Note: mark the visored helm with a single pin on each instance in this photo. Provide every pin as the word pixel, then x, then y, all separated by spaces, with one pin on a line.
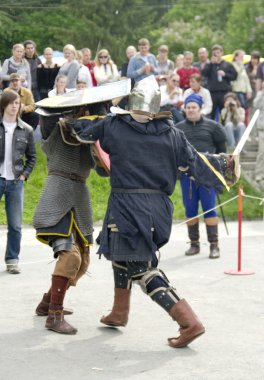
pixel 145 96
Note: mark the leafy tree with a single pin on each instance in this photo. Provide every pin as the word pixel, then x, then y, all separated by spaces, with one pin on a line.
pixel 181 36
pixel 245 26
pixel 190 24
pixel 112 25
pixel 212 14
pixel 6 32
pixel 115 24
pixel 96 24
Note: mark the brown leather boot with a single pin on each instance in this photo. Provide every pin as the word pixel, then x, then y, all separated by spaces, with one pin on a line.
pixel 57 323
pixel 190 326
pixel 42 309
pixel 212 234
pixel 193 233
pixel 193 250
pixel 214 251
pixel 119 314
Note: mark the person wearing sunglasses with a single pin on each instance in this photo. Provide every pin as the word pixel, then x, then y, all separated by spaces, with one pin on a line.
pixel 105 69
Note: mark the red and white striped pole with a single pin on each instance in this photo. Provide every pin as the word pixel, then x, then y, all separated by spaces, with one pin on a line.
pixel 239 271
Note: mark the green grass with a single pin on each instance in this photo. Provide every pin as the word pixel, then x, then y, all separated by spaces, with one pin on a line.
pixel 99 188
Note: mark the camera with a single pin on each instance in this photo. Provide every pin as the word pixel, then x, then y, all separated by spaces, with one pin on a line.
pixel 232 105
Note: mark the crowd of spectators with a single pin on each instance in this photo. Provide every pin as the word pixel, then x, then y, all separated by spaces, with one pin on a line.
pixel 215 77
pixel 228 89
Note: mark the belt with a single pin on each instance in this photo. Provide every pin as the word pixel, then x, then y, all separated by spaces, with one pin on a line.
pixel 137 191
pixel 113 227
pixel 72 176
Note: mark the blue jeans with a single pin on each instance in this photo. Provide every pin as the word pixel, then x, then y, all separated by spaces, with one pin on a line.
pixel 14 201
pixel 234 133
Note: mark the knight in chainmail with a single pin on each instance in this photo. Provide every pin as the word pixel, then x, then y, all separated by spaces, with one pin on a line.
pixel 63 217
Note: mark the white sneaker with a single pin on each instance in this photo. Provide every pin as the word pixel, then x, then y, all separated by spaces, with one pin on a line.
pixel 13 269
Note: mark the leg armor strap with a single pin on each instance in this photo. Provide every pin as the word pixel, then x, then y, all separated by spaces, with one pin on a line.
pixel 154 283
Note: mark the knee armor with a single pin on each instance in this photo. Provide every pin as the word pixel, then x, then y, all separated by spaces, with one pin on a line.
pixel 61 244
pixel 155 284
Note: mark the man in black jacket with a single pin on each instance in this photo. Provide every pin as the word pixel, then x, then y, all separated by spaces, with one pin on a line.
pixel 206 136
pixel 219 74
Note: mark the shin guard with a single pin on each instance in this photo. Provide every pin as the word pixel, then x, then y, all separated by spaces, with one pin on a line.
pixel 121 276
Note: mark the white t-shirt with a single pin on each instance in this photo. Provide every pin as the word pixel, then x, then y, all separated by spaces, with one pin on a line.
pixel 6 167
pixel 84 75
pixel 53 92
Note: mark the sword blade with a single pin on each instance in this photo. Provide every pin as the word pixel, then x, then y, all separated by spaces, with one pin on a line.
pixel 246 134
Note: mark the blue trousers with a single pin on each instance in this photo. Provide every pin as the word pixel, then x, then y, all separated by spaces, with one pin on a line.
pixel 14 201
pixel 192 194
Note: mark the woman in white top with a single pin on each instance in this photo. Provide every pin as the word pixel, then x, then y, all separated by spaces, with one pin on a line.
pixel 59 86
pixel 17 64
pixel 171 93
pixel 172 97
pixel 84 74
pixel 195 87
pixel 105 70
pixel 71 67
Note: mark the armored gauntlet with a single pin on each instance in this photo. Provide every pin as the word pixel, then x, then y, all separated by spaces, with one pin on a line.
pixel 230 167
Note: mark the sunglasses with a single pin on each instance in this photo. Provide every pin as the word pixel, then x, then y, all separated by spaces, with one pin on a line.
pixel 103 56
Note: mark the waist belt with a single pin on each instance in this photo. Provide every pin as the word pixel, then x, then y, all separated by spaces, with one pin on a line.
pixel 72 176
pixel 137 191
pixel 113 227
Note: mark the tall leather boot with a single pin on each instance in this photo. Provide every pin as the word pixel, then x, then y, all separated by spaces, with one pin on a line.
pixel 190 326
pixel 119 314
pixel 57 323
pixel 212 235
pixel 193 233
pixel 42 309
pixel 55 320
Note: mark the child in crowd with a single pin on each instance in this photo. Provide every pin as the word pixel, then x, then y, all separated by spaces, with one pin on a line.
pixel 59 86
pixel 80 85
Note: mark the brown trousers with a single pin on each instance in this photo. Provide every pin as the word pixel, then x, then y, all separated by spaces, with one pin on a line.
pixel 72 264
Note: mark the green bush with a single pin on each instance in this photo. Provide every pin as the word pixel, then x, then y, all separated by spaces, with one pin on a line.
pixel 99 188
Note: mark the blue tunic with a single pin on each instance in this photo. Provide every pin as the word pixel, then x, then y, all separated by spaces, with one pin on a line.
pixel 143 156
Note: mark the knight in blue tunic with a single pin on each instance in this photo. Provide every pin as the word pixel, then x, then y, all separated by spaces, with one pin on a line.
pixel 146 154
